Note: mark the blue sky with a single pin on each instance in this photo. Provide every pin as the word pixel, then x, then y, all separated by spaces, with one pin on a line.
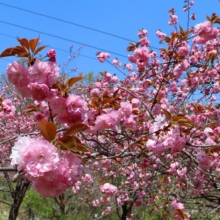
pixel 119 17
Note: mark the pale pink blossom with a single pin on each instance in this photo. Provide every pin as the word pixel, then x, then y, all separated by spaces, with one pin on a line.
pixel 135 103
pixel 17 74
pixel 142 33
pixel 183 50
pixel 173 19
pixel 205 31
pixel 95 92
pixel 125 109
pixel 106 121
pixel 177 206
pixel 8 108
pixel 43 72
pixel 66 175
pixel 106 211
pixel 160 34
pixel 109 189
pixel 116 62
pixel 129 66
pixel 103 56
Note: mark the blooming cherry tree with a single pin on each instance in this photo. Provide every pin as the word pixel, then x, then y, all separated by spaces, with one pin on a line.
pixel 150 140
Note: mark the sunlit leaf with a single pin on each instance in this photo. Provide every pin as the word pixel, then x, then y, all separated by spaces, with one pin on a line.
pixel 33 44
pixel 24 42
pixel 39 49
pixel 47 129
pixel 32 108
pixel 168 115
pixel 73 80
pixel 79 127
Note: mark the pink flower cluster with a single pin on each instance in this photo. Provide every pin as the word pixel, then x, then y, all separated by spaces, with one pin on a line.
pixel 205 31
pixel 7 109
pixel 34 81
pixel 109 189
pixel 68 110
pixel 103 56
pixel 173 19
pixel 50 171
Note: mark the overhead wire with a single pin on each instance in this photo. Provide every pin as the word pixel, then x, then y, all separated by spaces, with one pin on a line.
pixel 64 21
pixel 62 38
pixel 54 47
pixel 71 23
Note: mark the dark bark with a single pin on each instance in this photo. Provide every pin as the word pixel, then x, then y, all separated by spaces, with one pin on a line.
pixel 126 210
pixel 18 195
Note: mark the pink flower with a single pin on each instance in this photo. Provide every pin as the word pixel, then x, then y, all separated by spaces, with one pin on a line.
pixel 87 178
pixel 103 56
pixel 193 16
pixel 142 33
pixel 39 92
pixel 51 53
pixel 160 123
pixel 34 156
pixel 173 19
pixel 40 158
pixel 204 160
pixel 205 31
pixel 55 182
pixel 106 211
pixel 107 78
pixel 116 62
pixel 191 3
pixel 130 122
pixel 125 109
pixel 177 206
pixel 44 72
pixel 58 105
pixel 17 74
pixel 19 147
pixel 160 34
pixel 95 92
pixel 74 102
pixel 129 66
pixel 8 108
pixel 135 103
pixel 144 42
pixel 106 121
pixel 183 50
pixel 109 189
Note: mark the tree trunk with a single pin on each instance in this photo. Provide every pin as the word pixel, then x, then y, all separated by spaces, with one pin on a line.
pixel 18 195
pixel 126 210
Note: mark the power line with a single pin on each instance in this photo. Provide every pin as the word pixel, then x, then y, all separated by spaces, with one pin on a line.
pixel 53 47
pixel 71 23
pixel 64 21
pixel 62 38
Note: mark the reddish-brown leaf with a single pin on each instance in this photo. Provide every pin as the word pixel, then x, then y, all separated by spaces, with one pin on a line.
pixel 107 100
pixel 33 44
pixel 39 49
pixel 47 129
pixel 79 127
pixel 12 51
pixel 73 80
pixel 168 115
pixel 32 108
pixel 24 42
